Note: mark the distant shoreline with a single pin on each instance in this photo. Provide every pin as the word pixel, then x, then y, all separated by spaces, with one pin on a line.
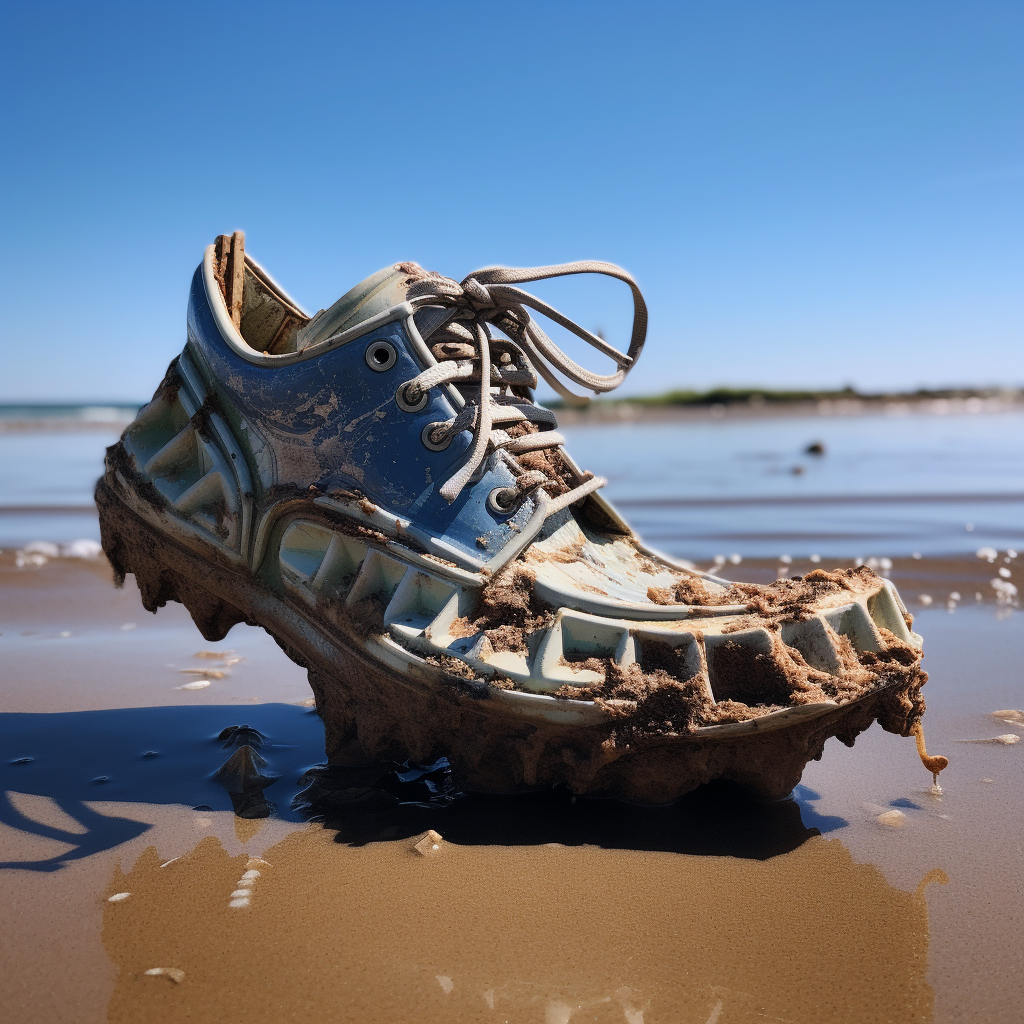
pixel 48 417
pixel 718 403
pixel 721 403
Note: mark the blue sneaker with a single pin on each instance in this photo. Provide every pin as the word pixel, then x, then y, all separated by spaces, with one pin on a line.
pixel 376 486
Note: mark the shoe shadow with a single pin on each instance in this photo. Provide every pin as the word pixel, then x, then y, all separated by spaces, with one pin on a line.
pixel 718 819
pixel 226 757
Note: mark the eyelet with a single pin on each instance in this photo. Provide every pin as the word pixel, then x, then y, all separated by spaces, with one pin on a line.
pixel 381 356
pixel 433 445
pixel 404 403
pixel 495 505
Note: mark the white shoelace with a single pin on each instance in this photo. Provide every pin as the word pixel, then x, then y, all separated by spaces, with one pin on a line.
pixel 464 348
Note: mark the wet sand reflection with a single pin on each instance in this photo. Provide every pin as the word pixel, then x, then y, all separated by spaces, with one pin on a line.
pixel 544 933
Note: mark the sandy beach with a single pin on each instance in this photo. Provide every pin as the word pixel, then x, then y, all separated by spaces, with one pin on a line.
pixel 861 898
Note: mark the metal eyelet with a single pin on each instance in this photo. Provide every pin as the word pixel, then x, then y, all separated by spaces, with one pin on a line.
pixel 433 445
pixel 381 356
pixel 494 501
pixel 404 403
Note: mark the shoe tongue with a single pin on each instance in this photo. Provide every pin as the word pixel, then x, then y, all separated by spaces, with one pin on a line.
pixel 377 293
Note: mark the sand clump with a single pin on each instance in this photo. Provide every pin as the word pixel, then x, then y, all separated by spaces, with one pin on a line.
pixel 509 611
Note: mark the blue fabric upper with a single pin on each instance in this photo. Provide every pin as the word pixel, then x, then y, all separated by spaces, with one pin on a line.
pixel 332 421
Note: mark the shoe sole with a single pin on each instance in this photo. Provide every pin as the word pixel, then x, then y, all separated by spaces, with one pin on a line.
pixel 376 706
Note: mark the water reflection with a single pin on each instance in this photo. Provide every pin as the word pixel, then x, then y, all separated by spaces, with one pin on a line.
pixel 211 757
pixel 541 933
pixel 723 907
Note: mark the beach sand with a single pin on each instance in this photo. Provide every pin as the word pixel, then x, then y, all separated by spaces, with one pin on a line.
pixel 824 907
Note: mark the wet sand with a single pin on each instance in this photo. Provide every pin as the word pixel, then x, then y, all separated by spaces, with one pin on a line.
pixel 533 908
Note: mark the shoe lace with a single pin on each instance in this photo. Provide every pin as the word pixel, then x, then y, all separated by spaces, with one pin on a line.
pixel 467 353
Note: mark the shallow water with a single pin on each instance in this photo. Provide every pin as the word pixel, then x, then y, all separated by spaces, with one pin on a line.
pixel 536 908
pixel 886 485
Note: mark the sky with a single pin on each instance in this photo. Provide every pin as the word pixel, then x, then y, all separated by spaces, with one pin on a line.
pixel 810 194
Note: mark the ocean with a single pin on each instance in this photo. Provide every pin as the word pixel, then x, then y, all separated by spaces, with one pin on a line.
pixel 884 485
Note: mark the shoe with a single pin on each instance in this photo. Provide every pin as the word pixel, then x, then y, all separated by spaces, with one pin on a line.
pixel 376 486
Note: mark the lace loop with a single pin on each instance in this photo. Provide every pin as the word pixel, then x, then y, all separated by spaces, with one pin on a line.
pixel 491 297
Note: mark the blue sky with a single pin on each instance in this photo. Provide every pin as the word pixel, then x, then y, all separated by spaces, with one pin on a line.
pixel 809 193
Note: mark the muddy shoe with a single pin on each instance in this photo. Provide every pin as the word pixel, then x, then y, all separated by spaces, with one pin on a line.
pixel 376 487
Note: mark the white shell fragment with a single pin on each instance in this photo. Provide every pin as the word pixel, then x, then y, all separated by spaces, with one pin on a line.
pixel 118 897
pixel 1007 738
pixel 250 876
pixel 239 893
pixel 198 684
pixel 176 974
pixel 239 903
pixel 429 844
pixel 1009 715
pixel 893 818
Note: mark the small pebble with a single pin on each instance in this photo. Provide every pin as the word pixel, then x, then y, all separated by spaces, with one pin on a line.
pixel 988 780
pixel 199 684
pixel 118 897
pixel 128 627
pixel 213 673
pixel 212 654
pixel 174 973
pixel 925 599
pixel 815 559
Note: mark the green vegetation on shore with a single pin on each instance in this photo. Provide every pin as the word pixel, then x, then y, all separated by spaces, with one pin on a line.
pixel 765 396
